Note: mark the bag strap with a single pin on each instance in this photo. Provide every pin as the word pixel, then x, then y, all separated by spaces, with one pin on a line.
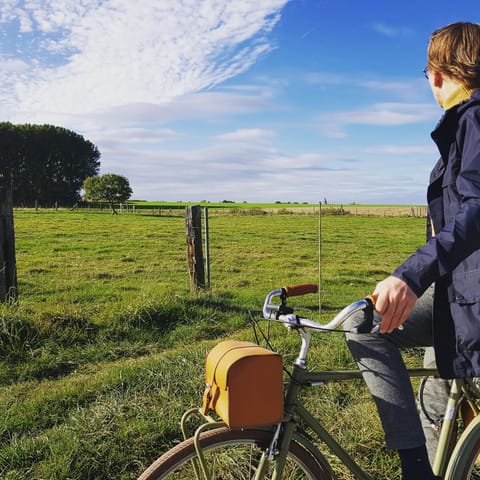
pixel 210 396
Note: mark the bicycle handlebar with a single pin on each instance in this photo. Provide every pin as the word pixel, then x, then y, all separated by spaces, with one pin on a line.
pixel 279 312
pixel 282 314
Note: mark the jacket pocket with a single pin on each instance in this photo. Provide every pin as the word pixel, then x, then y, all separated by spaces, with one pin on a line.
pixel 467 326
pixel 465 287
pixel 451 200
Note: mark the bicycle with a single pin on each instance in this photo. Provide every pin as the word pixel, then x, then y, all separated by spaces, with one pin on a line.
pixel 285 450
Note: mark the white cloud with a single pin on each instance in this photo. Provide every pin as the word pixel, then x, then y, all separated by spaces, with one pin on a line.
pixel 132 136
pixel 119 52
pixel 325 78
pixel 404 89
pixel 400 89
pixel 331 129
pixel 335 124
pixel 259 171
pixel 389 114
pixel 246 135
pixel 402 149
pixel 137 79
pixel 12 66
pixel 391 31
pixel 207 106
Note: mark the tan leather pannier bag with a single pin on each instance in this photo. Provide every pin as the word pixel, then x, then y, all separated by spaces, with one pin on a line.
pixel 244 384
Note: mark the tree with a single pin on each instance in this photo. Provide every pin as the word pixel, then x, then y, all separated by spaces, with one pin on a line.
pixel 45 163
pixel 110 188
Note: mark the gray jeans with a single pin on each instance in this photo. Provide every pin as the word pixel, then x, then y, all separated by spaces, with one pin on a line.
pixel 432 399
pixel 379 358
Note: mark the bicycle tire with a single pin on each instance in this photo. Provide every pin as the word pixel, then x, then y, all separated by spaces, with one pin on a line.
pixel 233 454
pixel 465 460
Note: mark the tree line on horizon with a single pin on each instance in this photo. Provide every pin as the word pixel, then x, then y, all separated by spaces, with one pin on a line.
pixel 45 164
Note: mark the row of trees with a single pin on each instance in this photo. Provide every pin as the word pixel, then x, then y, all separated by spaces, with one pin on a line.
pixel 45 163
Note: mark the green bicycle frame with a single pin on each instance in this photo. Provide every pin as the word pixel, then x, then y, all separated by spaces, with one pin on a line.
pixel 285 432
pixel 301 378
pixel 295 413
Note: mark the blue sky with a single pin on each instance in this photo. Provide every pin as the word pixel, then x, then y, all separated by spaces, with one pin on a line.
pixel 242 100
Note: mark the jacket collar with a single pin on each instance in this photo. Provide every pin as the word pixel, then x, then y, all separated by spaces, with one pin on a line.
pixel 459 95
pixel 447 126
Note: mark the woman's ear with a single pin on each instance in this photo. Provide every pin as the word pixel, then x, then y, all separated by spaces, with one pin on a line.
pixel 437 79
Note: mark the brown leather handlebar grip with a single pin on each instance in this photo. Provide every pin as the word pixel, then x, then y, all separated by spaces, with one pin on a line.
pixel 300 289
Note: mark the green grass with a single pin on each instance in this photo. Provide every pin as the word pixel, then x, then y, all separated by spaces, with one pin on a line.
pixel 221 205
pixel 105 348
pixel 248 205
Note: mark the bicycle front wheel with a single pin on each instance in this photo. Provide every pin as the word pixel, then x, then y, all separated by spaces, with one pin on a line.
pixel 234 455
pixel 465 460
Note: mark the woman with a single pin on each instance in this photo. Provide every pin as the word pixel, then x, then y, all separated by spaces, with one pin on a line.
pixel 435 294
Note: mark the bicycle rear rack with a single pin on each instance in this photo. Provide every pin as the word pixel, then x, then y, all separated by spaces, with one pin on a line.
pixel 199 464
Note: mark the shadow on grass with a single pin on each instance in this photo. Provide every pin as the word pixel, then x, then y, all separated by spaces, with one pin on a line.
pixel 55 344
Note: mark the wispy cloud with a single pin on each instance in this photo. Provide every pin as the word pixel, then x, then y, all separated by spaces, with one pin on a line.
pixel 247 172
pixel 390 30
pixel 385 114
pixel 402 149
pixel 246 135
pixel 119 52
pixel 13 65
pixel 146 81
pixel 335 124
pixel 326 78
pixel 404 89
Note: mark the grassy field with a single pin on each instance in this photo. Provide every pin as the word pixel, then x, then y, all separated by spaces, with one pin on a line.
pixel 278 207
pixel 105 348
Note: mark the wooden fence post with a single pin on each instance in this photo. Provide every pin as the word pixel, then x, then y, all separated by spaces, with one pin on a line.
pixel 193 230
pixel 8 266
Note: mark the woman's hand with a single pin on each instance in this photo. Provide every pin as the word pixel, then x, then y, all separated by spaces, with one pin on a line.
pixel 395 300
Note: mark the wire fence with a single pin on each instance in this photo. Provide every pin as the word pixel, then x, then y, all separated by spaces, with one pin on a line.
pixel 179 209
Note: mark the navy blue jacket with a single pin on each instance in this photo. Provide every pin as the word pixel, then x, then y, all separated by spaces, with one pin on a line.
pixel 451 257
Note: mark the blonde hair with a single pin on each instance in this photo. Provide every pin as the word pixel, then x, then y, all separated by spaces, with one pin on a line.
pixel 455 51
